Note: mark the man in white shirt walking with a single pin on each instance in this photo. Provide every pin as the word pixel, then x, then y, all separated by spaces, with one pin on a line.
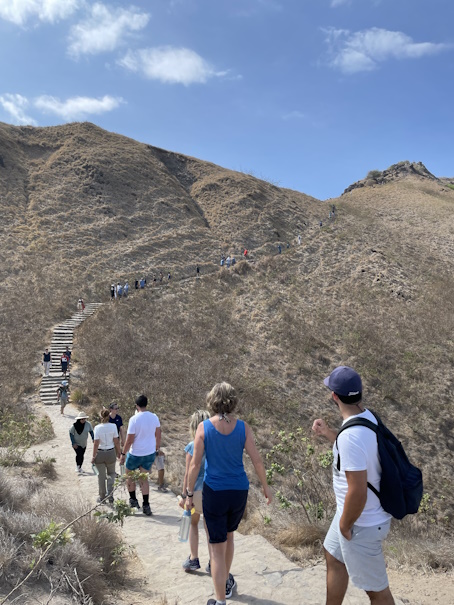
pixel 353 544
pixel 143 440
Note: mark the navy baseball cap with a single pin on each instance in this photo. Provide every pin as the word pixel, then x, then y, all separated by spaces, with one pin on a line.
pixel 344 381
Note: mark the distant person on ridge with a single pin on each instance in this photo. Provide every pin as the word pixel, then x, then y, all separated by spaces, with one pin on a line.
pixel 353 544
pixel 233 260
pixel 299 239
pixel 142 282
pixel 46 362
pixel 245 253
pixel 119 290
pixel 136 284
pixel 279 248
pixel 112 292
pixel 228 261
pixel 126 289
pixel 142 443
pixel 197 271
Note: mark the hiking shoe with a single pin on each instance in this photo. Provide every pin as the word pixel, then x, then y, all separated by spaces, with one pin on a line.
pixel 191 564
pixel 134 503
pixel 162 488
pixel 208 568
pixel 229 586
pixel 111 499
pixel 147 510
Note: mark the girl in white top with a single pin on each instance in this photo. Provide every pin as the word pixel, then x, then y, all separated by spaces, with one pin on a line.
pixel 106 449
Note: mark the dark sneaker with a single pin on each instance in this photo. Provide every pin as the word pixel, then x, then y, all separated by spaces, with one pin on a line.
pixel 191 564
pixel 147 510
pixel 229 586
pixel 211 602
pixel 208 568
pixel 134 503
pixel 111 499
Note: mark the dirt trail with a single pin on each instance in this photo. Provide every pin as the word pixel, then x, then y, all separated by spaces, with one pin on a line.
pixel 263 574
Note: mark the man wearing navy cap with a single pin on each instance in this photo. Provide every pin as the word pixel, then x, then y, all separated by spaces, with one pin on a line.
pixel 353 544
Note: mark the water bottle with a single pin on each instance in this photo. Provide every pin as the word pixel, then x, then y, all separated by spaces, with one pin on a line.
pixel 122 469
pixel 95 469
pixel 183 534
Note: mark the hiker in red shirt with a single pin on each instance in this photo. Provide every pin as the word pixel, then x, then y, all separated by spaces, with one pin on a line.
pixel 64 360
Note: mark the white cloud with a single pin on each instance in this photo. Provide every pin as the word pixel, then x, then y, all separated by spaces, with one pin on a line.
pixel 170 65
pixel 364 50
pixel 335 3
pixel 293 115
pixel 105 29
pixel 16 106
pixel 19 11
pixel 77 108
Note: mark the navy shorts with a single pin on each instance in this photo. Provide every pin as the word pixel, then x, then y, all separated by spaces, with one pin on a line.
pixel 223 511
pixel 133 463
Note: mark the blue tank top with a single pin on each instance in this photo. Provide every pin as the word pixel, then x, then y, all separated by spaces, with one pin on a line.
pixel 224 458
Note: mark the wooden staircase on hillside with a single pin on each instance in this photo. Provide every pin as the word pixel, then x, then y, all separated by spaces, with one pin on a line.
pixel 62 338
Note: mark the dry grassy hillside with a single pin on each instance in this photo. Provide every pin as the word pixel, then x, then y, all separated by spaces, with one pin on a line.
pixel 372 288
pixel 82 207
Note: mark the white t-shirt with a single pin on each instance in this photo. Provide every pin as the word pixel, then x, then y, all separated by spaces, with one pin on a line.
pixel 359 452
pixel 106 433
pixel 143 425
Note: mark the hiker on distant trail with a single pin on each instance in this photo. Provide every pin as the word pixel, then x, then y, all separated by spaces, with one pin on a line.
pixel 333 209
pixel 68 355
pixel 78 434
pixel 112 291
pixel 115 418
pixel 63 395
pixel 106 450
pixel 225 487
pixel 321 223
pixel 136 284
pixel 142 282
pixel 64 361
pixel 169 276
pixel 197 271
pixel 279 249
pixel 80 304
pixel 46 362
pixel 139 451
pixel 233 260
pixel 126 289
pixel 228 261
pixel 222 261
pixel 353 544
pixel 245 253
pixel 119 290
pixel 299 239
pixel 192 563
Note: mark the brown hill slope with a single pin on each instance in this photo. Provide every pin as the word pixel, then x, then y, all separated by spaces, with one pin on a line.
pixel 81 207
pixel 373 288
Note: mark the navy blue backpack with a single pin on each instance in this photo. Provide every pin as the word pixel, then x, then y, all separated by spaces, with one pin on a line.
pixel 401 482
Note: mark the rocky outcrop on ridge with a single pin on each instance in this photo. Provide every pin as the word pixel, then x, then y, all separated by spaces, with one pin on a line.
pixel 395 172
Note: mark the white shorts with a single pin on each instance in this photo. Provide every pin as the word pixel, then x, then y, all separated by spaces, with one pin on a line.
pixel 362 555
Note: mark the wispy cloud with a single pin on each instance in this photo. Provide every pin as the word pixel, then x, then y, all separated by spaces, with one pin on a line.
pixel 352 52
pixel 76 108
pixel 335 3
pixel 16 106
pixel 20 11
pixel 170 65
pixel 105 29
pixel 293 115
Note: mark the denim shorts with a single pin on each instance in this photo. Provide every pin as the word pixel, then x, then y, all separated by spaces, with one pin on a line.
pixel 222 511
pixel 134 462
pixel 362 555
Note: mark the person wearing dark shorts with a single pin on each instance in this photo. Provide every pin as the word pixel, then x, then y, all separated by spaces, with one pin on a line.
pixel 64 364
pixel 222 439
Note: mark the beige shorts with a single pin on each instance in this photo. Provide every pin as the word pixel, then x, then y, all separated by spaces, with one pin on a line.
pixel 197 501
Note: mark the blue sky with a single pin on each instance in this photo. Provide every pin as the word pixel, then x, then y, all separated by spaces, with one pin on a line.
pixel 309 94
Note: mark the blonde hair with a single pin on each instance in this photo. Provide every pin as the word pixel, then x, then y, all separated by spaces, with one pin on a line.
pixel 196 419
pixel 222 398
pixel 104 415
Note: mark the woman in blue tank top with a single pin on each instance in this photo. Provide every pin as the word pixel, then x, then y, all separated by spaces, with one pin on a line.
pixel 222 439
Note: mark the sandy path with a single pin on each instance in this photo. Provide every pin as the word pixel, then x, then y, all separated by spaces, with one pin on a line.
pixel 264 575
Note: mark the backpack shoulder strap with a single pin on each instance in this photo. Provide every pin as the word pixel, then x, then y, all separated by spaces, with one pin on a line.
pixel 359 422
